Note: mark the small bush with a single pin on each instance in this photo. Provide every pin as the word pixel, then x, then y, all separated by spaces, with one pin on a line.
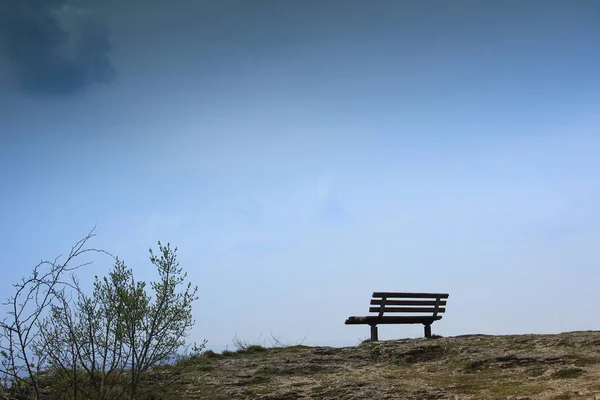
pixel 569 373
pixel 537 371
pixel 243 345
pixel 364 340
pixel 253 349
pixel 210 354
pixel 276 342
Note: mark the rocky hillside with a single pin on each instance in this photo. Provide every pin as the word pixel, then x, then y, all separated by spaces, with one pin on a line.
pixel 564 366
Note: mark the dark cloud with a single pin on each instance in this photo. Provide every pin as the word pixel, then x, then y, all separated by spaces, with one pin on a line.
pixel 54 47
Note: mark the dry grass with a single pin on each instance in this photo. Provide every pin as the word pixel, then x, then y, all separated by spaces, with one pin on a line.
pixel 565 366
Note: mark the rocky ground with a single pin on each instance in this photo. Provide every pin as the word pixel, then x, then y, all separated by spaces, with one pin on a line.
pixel 563 366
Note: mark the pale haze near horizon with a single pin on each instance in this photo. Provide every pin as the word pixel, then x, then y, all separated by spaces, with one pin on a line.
pixel 302 155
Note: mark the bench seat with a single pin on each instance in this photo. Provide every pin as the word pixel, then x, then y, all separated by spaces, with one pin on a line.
pixel 391 320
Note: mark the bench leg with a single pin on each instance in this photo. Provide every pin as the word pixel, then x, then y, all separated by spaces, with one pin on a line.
pixel 427 331
pixel 374 337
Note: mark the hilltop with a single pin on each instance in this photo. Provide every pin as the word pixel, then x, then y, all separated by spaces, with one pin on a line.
pixel 562 366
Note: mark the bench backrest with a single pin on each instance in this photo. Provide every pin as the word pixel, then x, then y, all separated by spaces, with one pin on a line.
pixel 425 303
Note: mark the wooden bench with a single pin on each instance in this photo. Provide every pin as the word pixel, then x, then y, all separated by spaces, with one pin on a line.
pixel 420 311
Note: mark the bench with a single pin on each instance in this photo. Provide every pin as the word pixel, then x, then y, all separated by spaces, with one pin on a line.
pixel 424 310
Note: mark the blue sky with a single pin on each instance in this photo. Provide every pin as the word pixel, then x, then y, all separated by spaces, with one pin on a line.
pixel 302 155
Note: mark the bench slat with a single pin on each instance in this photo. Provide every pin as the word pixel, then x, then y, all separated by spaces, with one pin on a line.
pixel 391 320
pixel 411 295
pixel 377 302
pixel 407 309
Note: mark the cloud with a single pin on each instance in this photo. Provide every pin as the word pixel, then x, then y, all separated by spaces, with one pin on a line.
pixel 53 48
pixel 324 188
pixel 332 208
